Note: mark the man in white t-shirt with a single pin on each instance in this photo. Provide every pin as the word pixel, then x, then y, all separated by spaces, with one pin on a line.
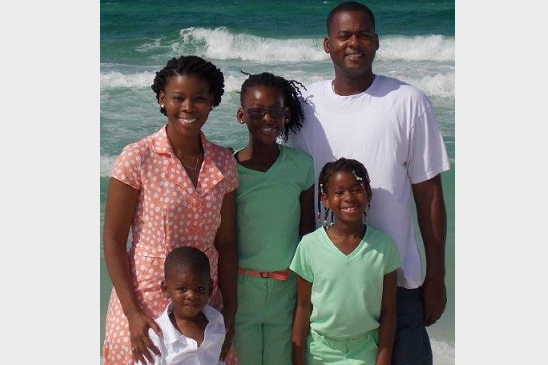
pixel 391 128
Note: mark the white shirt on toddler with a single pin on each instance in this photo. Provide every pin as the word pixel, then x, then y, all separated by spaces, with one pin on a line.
pixel 177 349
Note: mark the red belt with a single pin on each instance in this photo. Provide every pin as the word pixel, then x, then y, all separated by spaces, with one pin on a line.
pixel 276 275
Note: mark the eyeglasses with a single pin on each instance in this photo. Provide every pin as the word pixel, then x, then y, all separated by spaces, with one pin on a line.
pixel 277 112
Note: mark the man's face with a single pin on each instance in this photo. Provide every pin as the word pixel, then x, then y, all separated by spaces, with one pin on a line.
pixel 352 43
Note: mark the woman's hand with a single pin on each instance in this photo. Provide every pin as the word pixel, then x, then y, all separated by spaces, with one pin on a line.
pixel 229 317
pixel 141 344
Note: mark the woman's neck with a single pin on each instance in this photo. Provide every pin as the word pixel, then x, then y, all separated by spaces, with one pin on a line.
pixel 185 145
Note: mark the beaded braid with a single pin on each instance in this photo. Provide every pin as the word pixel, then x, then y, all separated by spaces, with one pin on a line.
pixel 342 165
pixel 291 93
pixel 190 65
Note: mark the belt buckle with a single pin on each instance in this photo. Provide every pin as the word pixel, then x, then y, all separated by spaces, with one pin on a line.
pixel 264 274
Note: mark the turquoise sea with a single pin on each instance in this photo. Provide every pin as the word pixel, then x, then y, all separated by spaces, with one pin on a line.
pixel 417 45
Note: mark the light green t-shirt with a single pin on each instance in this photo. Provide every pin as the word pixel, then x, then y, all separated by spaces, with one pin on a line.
pixel 346 290
pixel 268 210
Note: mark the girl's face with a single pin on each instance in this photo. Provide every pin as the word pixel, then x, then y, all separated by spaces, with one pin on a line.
pixel 264 113
pixel 188 292
pixel 345 196
pixel 188 101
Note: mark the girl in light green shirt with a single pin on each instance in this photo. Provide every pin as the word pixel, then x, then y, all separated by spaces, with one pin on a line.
pixel 346 284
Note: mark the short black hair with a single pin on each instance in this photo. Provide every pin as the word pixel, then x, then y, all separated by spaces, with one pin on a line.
pixel 187 258
pixel 349 6
pixel 190 65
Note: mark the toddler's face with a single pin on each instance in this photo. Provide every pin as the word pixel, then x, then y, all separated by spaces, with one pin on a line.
pixel 188 291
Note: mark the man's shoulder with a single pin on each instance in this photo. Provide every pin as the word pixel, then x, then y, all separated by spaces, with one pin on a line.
pixel 397 86
pixel 319 83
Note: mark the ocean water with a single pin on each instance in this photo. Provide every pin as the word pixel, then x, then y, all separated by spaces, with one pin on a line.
pixel 417 45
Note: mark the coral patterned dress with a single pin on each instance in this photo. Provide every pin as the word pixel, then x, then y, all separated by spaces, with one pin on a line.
pixel 170 213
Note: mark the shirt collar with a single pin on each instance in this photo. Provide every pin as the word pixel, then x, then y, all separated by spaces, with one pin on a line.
pixel 173 335
pixel 161 145
pixel 212 174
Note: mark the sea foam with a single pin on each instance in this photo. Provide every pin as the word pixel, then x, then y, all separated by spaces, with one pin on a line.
pixel 222 44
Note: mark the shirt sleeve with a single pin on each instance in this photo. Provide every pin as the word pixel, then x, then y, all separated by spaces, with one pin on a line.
pixel 310 179
pixel 427 154
pixel 393 261
pixel 231 174
pixel 127 167
pixel 300 263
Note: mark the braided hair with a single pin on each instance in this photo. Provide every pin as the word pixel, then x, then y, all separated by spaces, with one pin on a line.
pixel 190 65
pixel 291 95
pixel 349 165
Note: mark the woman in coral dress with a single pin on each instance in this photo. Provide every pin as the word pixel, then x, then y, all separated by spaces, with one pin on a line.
pixel 172 188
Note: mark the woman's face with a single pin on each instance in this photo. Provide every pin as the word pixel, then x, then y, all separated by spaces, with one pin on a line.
pixel 188 101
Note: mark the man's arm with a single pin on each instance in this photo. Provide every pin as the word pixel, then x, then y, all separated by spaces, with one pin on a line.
pixel 432 221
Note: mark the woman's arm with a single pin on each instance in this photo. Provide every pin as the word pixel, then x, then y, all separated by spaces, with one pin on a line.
pixel 387 328
pixel 301 322
pixel 120 208
pixel 225 243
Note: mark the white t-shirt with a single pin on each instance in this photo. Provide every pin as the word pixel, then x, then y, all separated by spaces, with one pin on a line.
pixel 177 349
pixel 390 128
